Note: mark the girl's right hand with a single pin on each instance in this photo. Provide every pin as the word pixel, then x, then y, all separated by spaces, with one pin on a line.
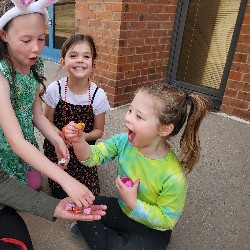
pixel 81 195
pixel 73 133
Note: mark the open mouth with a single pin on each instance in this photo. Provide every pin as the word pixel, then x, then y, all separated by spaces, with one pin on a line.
pixel 131 135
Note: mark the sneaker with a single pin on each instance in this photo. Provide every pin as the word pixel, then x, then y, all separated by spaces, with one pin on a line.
pixel 74 228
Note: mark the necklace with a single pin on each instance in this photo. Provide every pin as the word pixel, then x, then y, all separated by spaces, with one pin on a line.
pixel 65 97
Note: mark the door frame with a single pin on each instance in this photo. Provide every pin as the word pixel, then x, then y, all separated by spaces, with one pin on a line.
pixel 176 42
pixel 49 52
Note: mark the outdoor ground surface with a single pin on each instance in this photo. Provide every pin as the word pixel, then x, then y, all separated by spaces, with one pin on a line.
pixel 215 215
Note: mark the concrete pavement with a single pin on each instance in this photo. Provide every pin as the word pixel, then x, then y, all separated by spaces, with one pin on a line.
pixel 215 215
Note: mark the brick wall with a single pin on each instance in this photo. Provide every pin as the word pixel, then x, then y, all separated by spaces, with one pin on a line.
pixel 236 99
pixel 133 40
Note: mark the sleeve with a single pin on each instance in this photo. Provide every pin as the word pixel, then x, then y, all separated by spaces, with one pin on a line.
pixel 100 104
pixel 102 152
pixel 52 96
pixel 170 204
pixel 19 196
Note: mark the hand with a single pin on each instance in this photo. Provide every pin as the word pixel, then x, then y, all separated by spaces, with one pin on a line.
pixel 128 194
pixel 97 211
pixel 80 194
pixel 62 151
pixel 73 133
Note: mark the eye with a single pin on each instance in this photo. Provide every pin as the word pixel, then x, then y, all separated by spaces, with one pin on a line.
pixel 25 41
pixel 139 117
pixel 72 56
pixel 87 57
pixel 41 39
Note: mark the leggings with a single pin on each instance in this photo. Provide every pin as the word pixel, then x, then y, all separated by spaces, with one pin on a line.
pixel 13 226
pixel 117 231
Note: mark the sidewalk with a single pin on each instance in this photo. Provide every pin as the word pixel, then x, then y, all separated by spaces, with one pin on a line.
pixel 215 216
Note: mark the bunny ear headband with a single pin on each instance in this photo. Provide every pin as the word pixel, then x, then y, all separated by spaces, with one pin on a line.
pixel 23 7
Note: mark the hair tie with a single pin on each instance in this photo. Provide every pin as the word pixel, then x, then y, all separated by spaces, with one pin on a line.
pixel 24 7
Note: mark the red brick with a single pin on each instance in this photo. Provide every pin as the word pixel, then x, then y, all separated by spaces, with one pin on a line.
pixel 246 78
pixel 244 114
pixel 239 57
pixel 235 75
pixel 227 109
pixel 244 96
pixel 230 93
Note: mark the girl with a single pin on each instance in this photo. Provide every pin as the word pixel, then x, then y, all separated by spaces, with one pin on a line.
pixel 78 99
pixel 22 32
pixel 144 215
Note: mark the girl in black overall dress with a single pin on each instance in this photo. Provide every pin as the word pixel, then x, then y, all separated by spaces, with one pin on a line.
pixel 64 113
pixel 75 98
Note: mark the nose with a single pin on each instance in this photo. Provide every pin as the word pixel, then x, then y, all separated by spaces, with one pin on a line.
pixel 127 117
pixel 35 46
pixel 80 59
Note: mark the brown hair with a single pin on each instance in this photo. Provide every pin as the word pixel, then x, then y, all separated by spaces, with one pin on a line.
pixel 77 39
pixel 4 55
pixel 173 109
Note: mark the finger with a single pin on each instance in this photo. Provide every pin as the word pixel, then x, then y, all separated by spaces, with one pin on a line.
pixel 98 208
pixel 90 199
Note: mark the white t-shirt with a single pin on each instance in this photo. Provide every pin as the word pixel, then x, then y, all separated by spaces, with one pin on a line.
pixel 52 97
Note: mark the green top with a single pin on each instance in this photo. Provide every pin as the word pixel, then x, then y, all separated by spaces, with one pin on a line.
pixel 22 94
pixel 162 190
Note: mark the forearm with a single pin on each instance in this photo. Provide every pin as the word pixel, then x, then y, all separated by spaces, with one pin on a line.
pixel 33 157
pixel 48 129
pixel 21 197
pixel 82 149
pixel 152 216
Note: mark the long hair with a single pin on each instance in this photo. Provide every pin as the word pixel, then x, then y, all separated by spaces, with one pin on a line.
pixel 4 54
pixel 173 108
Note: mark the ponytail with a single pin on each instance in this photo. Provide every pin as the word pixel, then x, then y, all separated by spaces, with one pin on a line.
pixel 190 142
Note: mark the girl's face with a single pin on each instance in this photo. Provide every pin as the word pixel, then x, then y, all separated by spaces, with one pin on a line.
pixel 25 38
pixel 142 122
pixel 78 61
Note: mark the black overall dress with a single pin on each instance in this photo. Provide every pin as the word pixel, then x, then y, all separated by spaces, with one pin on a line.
pixel 64 113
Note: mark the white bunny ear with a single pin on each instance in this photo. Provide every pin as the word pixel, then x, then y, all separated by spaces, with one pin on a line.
pixel 24 7
pixel 22 3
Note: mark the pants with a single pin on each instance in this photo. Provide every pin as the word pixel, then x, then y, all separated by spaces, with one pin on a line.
pixel 58 193
pixel 117 231
pixel 13 226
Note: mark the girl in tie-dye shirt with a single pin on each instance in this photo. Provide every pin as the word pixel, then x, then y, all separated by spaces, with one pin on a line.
pixel 143 216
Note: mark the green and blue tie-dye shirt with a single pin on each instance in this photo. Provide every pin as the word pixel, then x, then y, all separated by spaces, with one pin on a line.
pixel 162 190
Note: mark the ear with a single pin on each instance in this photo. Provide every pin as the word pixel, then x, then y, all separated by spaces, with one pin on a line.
pixel 166 130
pixel 3 35
pixel 62 62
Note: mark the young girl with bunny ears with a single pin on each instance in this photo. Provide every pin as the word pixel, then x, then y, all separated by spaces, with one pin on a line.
pixel 22 33
pixel 148 207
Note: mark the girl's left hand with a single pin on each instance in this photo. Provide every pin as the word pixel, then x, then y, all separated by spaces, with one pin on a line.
pixel 62 152
pixel 128 194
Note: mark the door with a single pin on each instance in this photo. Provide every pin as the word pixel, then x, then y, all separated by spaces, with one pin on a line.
pixel 61 26
pixel 203 45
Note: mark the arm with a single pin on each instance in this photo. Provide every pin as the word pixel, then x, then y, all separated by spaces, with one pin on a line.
pixel 97 132
pixel 31 155
pixel 21 197
pixel 46 127
pixel 168 208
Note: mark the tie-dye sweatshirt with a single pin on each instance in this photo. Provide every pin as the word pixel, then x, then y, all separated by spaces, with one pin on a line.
pixel 162 190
